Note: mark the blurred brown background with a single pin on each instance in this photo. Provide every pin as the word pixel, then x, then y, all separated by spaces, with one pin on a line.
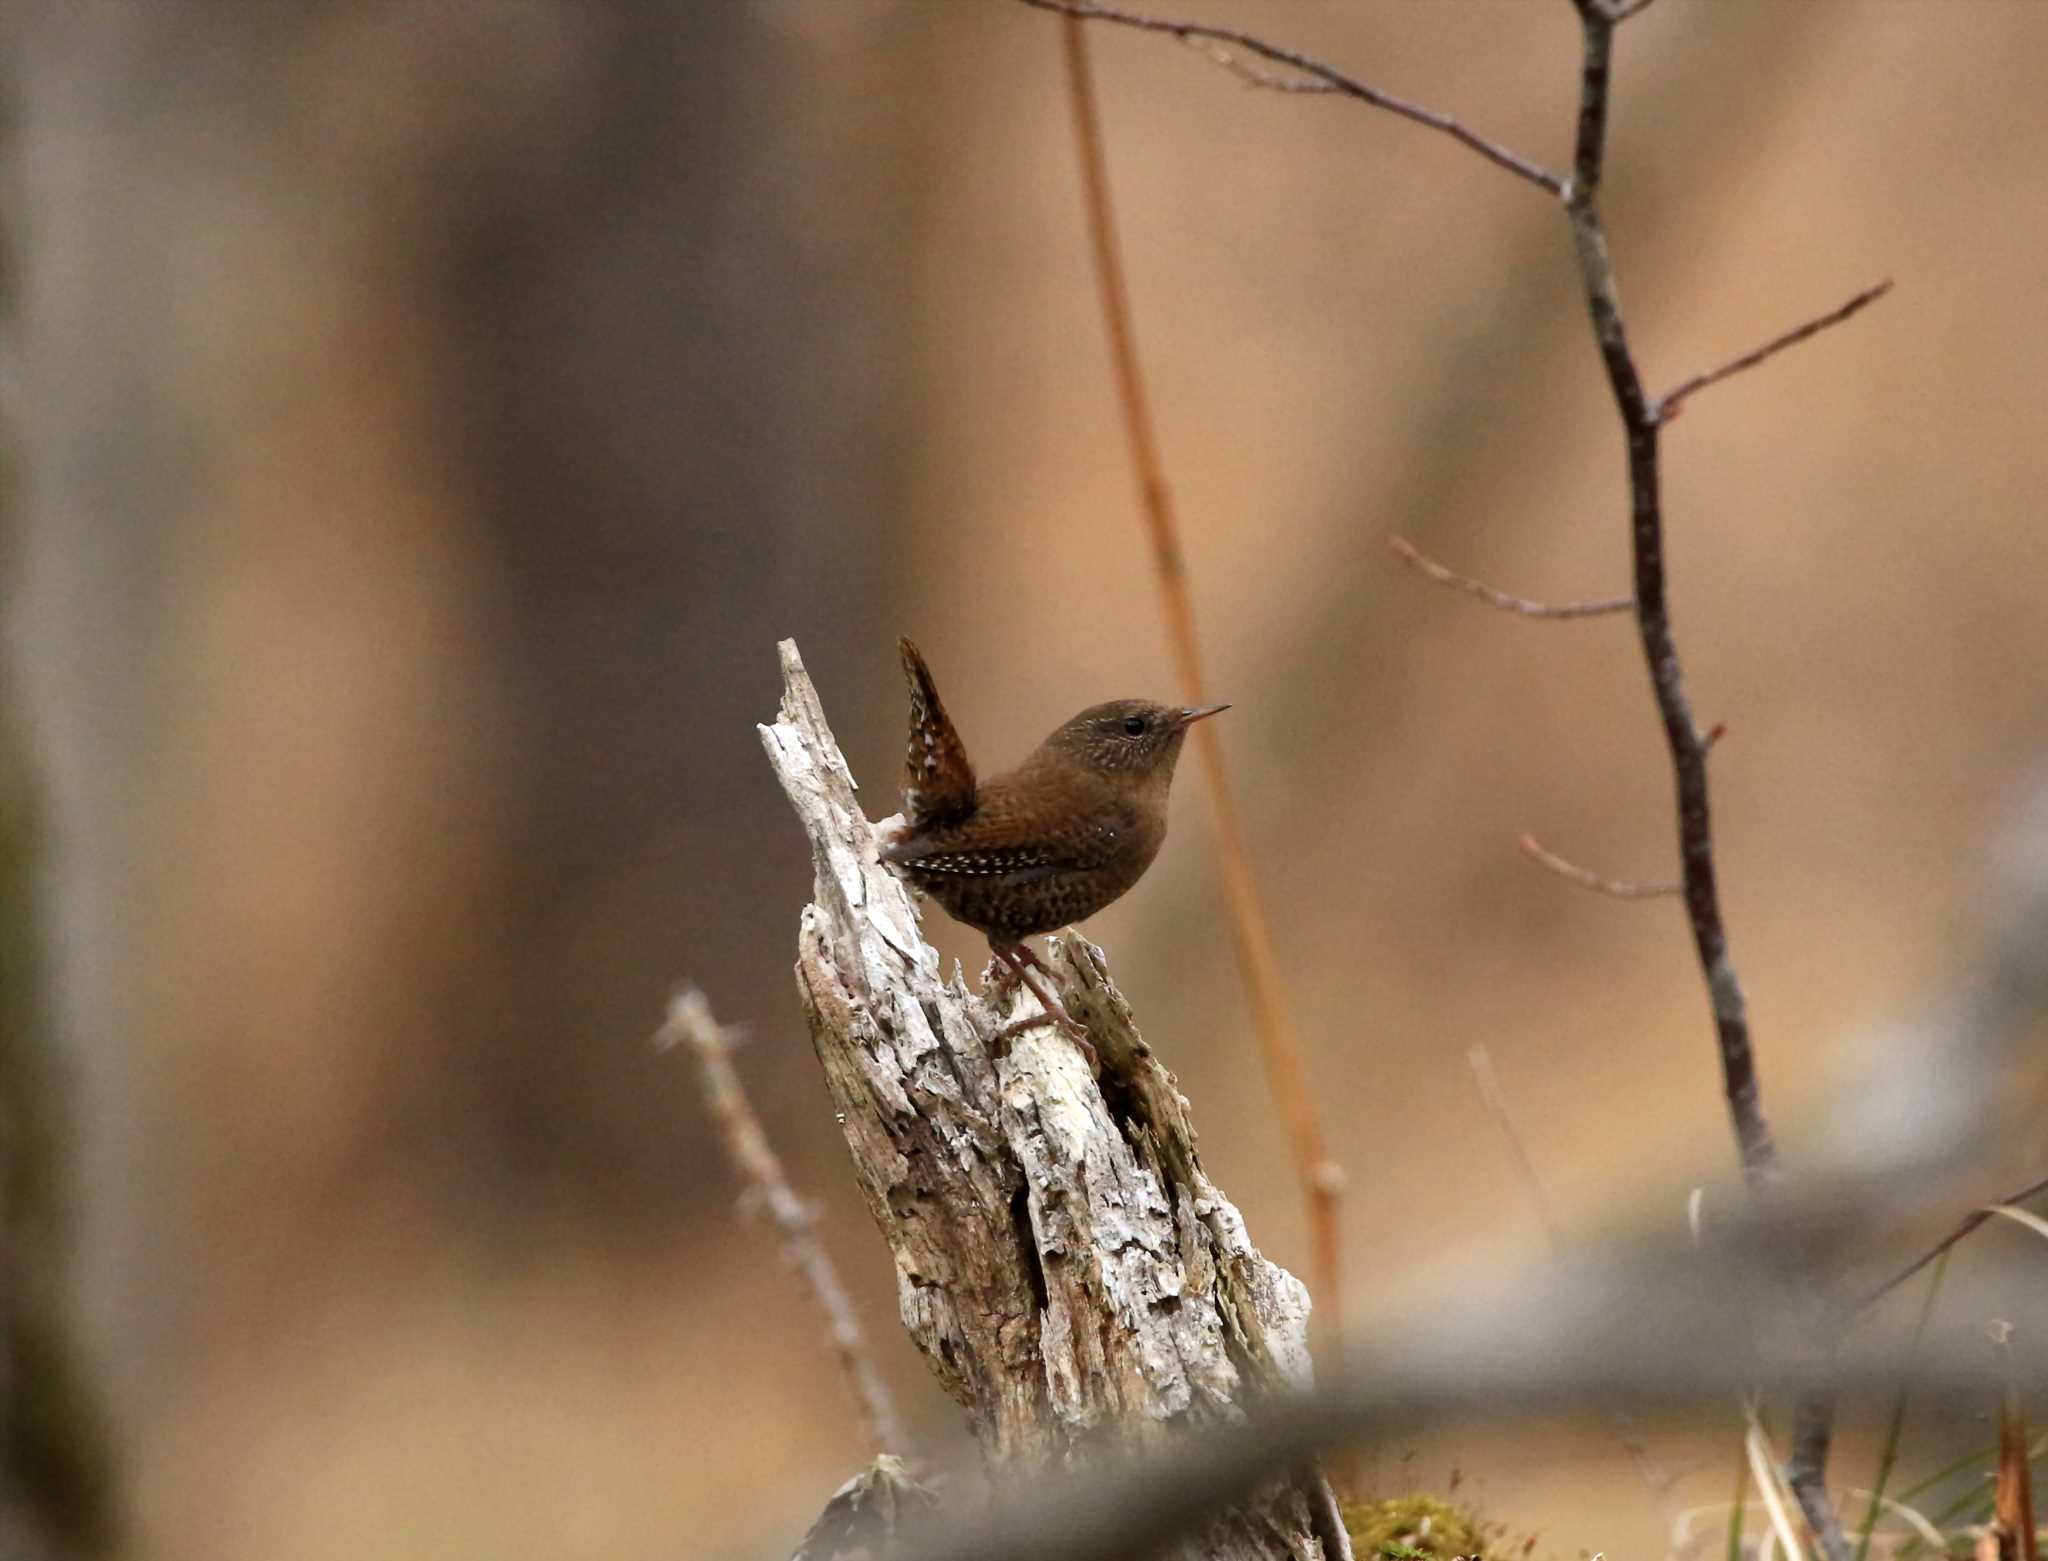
pixel 424 419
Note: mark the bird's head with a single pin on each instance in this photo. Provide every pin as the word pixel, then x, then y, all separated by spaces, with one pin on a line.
pixel 1132 737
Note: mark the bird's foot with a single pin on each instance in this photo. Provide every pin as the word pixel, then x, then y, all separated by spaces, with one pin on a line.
pixel 1077 1033
pixel 1020 960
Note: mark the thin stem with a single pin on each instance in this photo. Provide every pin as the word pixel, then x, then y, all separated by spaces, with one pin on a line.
pixel 1897 1425
pixel 1250 928
pixel 1585 878
pixel 690 1020
pixel 1963 1228
pixel 1336 81
pixel 1496 1101
pixel 1521 606
pixel 1668 404
pixel 1739 1507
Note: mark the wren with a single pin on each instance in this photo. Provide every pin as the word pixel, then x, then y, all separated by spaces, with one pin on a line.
pixel 1068 831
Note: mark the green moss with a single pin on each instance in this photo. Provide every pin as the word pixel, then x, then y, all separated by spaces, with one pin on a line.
pixel 1413 1526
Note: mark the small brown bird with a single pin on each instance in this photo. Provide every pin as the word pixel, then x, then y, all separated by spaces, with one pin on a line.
pixel 1054 840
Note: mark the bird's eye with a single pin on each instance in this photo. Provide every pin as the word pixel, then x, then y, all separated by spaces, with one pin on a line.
pixel 1135 725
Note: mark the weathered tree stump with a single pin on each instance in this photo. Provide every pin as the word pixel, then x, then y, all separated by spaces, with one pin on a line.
pixel 1073 1277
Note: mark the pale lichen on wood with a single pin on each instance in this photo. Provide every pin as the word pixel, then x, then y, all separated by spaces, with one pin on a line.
pixel 1062 1261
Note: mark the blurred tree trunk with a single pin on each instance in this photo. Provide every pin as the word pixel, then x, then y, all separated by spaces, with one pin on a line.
pixel 417 408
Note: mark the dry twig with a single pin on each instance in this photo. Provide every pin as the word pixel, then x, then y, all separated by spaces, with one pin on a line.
pixel 1251 928
pixel 1668 404
pixel 1335 80
pixel 690 1021
pixel 1521 606
pixel 1586 878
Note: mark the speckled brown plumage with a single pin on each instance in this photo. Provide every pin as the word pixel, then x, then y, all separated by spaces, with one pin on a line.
pixel 1068 831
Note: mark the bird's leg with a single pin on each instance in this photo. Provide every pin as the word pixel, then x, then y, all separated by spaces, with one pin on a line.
pixel 1022 962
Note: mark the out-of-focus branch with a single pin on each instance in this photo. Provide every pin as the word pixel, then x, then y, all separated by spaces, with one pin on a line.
pixel 690 1022
pixel 58 1499
pixel 1335 80
pixel 1586 878
pixel 1251 929
pixel 877 1513
pixel 1521 606
pixel 1668 403
pixel 1654 1332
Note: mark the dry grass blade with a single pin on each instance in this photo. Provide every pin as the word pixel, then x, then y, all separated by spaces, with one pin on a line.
pixel 2026 1217
pixel 2012 1509
pixel 1778 1500
pixel 1896 1427
pixel 1250 927
pixel 1912 1517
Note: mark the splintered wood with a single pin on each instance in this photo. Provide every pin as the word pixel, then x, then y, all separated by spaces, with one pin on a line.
pixel 1068 1270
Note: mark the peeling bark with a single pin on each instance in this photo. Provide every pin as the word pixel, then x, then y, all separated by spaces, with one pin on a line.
pixel 1076 1281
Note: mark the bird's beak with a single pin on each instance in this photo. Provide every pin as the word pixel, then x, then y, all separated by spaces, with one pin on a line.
pixel 1190 717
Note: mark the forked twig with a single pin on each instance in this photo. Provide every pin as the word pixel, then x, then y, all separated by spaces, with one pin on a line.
pixel 1641 419
pixel 1250 927
pixel 1667 405
pixel 690 1021
pixel 1521 606
pixel 1653 619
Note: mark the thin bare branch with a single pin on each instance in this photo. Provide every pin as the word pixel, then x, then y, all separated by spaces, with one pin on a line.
pixel 1963 1228
pixel 1586 878
pixel 1653 619
pixel 1335 80
pixel 1252 75
pixel 1521 606
pixel 1250 927
pixel 1640 421
pixel 1668 404
pixel 690 1021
